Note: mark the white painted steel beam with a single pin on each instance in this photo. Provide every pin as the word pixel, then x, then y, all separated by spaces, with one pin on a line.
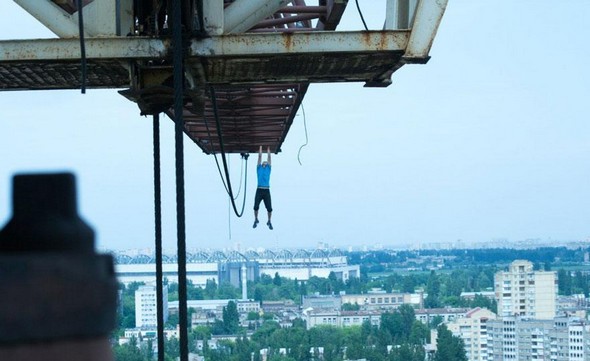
pixel 412 11
pixel 300 42
pixel 391 15
pixel 242 15
pixel 399 14
pixel 52 16
pixel 227 45
pixel 239 16
pixel 213 18
pixel 100 17
pixel 96 48
pixel 427 19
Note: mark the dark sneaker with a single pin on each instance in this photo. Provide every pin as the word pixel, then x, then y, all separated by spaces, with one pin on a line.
pixel 269 225
pixel 255 223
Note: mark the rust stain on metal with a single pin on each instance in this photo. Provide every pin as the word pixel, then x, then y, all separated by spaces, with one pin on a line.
pixel 288 41
pixel 375 41
pixel 366 37
pixel 382 40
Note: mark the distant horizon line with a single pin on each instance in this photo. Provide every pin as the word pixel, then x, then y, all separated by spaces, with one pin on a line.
pixel 530 243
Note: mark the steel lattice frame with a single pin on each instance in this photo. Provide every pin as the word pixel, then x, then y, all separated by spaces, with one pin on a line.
pixel 259 69
pixel 258 115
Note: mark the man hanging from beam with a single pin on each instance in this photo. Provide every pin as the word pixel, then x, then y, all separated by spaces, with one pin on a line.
pixel 263 189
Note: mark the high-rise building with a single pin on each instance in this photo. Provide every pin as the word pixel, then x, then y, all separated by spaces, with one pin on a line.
pixel 146 314
pixel 559 339
pixel 521 291
pixel 472 329
pixel 513 338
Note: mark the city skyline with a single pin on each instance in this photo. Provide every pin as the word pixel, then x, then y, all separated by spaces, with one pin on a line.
pixel 488 140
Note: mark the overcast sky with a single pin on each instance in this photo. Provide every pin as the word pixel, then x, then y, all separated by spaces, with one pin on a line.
pixel 489 140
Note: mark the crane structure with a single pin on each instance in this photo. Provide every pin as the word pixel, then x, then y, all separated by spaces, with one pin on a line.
pixel 248 63
pixel 231 74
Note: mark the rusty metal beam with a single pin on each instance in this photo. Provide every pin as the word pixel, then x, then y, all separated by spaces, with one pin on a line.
pixel 253 44
pixel 426 22
pixel 131 48
pixel 250 44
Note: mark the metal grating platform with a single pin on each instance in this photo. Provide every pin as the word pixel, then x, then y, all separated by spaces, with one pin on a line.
pixel 251 116
pixel 45 75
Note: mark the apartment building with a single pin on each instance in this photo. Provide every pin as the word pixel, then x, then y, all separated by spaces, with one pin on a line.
pixel 521 291
pixel 146 314
pixel 578 336
pixel 559 339
pixel 472 328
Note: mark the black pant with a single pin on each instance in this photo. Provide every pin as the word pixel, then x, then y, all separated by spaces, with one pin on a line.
pixel 262 194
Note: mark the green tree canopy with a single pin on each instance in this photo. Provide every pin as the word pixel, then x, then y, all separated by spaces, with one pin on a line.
pixel 231 318
pixel 449 347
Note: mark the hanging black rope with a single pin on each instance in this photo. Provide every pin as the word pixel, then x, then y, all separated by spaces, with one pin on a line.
pixel 223 158
pixel 244 156
pixel 180 215
pixel 82 45
pixel 358 7
pixel 242 169
pixel 158 237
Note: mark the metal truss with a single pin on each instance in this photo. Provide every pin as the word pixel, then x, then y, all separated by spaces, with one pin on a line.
pixel 257 56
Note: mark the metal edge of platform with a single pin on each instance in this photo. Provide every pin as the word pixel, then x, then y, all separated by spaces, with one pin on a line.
pixel 249 44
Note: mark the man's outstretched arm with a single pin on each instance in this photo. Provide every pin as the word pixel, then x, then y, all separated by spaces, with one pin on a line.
pixel 268 151
pixel 260 155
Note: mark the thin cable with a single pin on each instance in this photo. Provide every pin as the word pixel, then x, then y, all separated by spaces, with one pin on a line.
pixel 361 14
pixel 306 138
pixel 223 158
pixel 158 237
pixel 179 151
pixel 82 45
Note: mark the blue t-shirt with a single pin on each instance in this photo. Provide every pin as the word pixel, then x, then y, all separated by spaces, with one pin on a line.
pixel 263 176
